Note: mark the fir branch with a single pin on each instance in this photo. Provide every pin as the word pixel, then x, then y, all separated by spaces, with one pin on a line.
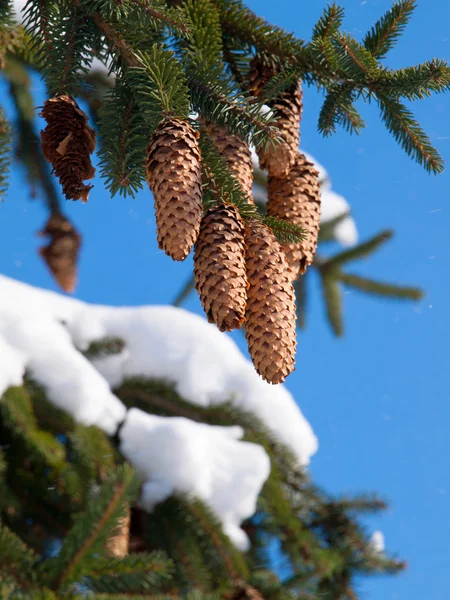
pixel 131 574
pixel 91 530
pixel 358 252
pixel 114 39
pixel 330 22
pixel 5 152
pixel 285 231
pixel 159 85
pixel 240 22
pixel 338 109
pixel 123 141
pixel 68 41
pixel 362 503
pixel 416 83
pixel 174 18
pixel 355 60
pixel 378 288
pixel 16 559
pixel 408 133
pixel 214 99
pixel 385 33
pixel 333 303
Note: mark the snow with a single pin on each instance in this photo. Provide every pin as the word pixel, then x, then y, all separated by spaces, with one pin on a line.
pixel 333 205
pixel 229 473
pixel 42 333
pixel 377 541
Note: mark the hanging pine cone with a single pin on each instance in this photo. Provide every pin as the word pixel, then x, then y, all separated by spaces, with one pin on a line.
pixel 219 267
pixel 67 143
pixel 296 198
pixel 117 544
pixel 270 314
pixel 61 253
pixel 277 160
pixel 237 154
pixel 174 177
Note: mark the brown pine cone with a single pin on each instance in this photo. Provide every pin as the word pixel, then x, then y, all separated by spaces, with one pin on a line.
pixel 117 545
pixel 174 177
pixel 277 160
pixel 270 314
pixel 296 198
pixel 61 253
pixel 219 267
pixel 237 154
pixel 67 143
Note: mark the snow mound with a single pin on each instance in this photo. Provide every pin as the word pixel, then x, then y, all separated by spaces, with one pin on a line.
pixel 42 332
pixel 377 542
pixel 229 473
pixel 333 205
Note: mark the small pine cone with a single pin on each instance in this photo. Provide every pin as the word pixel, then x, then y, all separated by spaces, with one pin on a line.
pixel 117 545
pixel 219 267
pixel 61 253
pixel 174 176
pixel 270 315
pixel 237 154
pixel 296 198
pixel 277 160
pixel 67 143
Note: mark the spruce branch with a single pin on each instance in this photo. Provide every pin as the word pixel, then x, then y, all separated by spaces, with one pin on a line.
pixel 330 22
pixel 385 33
pixel 123 141
pixel 131 574
pixel 357 252
pixel 240 22
pixel 418 82
pixel 401 123
pixel 159 85
pixel 378 288
pixel 355 60
pixel 91 530
pixel 338 109
pixel 333 303
pixel 16 559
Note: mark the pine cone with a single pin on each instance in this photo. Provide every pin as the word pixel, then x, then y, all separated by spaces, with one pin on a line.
pixel 61 253
pixel 117 545
pixel 67 143
pixel 277 160
pixel 174 177
pixel 237 154
pixel 296 198
pixel 219 267
pixel 270 314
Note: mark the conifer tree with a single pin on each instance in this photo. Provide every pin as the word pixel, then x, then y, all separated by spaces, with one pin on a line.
pixel 192 85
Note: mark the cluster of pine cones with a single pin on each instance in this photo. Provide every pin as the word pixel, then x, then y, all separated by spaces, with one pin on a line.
pixel 242 273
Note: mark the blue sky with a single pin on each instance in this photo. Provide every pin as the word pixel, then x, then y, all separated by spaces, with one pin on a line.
pixel 379 399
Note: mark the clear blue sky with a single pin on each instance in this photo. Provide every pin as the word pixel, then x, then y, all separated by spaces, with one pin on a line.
pixel 379 399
